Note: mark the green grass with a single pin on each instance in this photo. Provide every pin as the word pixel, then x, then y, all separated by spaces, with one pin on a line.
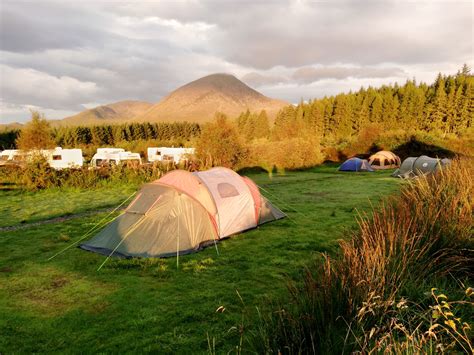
pixel 150 305
pixel 18 206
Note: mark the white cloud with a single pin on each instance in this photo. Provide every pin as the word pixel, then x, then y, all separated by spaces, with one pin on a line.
pixel 60 55
pixel 39 87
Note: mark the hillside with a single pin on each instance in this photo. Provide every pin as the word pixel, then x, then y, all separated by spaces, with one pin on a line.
pixel 117 112
pixel 199 100
pixel 10 126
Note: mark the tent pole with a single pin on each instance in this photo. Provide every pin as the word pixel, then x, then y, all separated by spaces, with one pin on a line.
pixel 177 249
pixel 215 244
pixel 177 239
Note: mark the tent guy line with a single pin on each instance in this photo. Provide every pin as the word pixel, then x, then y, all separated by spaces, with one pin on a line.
pixel 95 227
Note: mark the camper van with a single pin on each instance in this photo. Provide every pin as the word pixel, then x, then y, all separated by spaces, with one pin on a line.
pixel 114 156
pixel 166 154
pixel 59 158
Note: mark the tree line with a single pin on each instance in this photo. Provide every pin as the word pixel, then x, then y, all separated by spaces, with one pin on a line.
pixel 446 106
pixel 112 134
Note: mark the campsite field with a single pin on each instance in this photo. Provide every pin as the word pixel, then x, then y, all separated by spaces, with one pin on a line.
pixel 151 305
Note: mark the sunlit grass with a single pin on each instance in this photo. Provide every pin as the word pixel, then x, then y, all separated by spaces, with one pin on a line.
pixel 149 304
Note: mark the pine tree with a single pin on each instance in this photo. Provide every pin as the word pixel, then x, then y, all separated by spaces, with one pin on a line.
pixel 342 116
pixel 262 125
pixel 376 109
pixel 451 109
pixel 438 115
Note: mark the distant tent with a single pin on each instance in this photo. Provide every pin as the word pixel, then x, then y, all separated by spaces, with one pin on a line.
pixel 422 165
pixel 182 212
pixel 384 160
pixel 355 164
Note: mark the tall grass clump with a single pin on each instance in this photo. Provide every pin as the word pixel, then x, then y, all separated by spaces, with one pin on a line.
pixel 375 295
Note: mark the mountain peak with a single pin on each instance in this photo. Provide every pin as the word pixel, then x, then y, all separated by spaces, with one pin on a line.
pixel 197 101
pixel 200 99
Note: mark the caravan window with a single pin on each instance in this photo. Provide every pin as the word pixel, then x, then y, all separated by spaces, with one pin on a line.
pixel 168 157
pixel 227 190
pixel 3 157
pixel 57 157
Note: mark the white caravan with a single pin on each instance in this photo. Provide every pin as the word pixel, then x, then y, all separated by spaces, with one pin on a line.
pixel 109 156
pixel 57 158
pixel 9 156
pixel 166 154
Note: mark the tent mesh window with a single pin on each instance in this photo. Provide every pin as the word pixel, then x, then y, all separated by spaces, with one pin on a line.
pixel 376 162
pixel 227 190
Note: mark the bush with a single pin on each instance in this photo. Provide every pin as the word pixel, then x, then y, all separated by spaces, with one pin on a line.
pixel 290 153
pixel 423 235
pixel 220 144
pixel 37 175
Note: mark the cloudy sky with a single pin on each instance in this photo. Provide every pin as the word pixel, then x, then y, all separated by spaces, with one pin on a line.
pixel 61 57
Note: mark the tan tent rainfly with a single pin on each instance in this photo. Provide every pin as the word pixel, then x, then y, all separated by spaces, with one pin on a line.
pixel 182 212
pixel 384 160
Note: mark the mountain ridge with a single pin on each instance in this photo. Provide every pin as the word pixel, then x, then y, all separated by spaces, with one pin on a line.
pixel 117 112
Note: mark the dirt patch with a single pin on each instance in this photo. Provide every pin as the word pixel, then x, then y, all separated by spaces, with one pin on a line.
pixel 59 282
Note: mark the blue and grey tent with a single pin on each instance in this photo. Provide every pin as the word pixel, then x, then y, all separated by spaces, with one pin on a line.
pixel 355 164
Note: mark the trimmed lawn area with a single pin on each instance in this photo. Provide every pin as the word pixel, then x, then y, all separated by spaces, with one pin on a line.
pixel 65 305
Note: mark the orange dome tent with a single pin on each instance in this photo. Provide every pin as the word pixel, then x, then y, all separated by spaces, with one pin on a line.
pixel 384 160
pixel 182 212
